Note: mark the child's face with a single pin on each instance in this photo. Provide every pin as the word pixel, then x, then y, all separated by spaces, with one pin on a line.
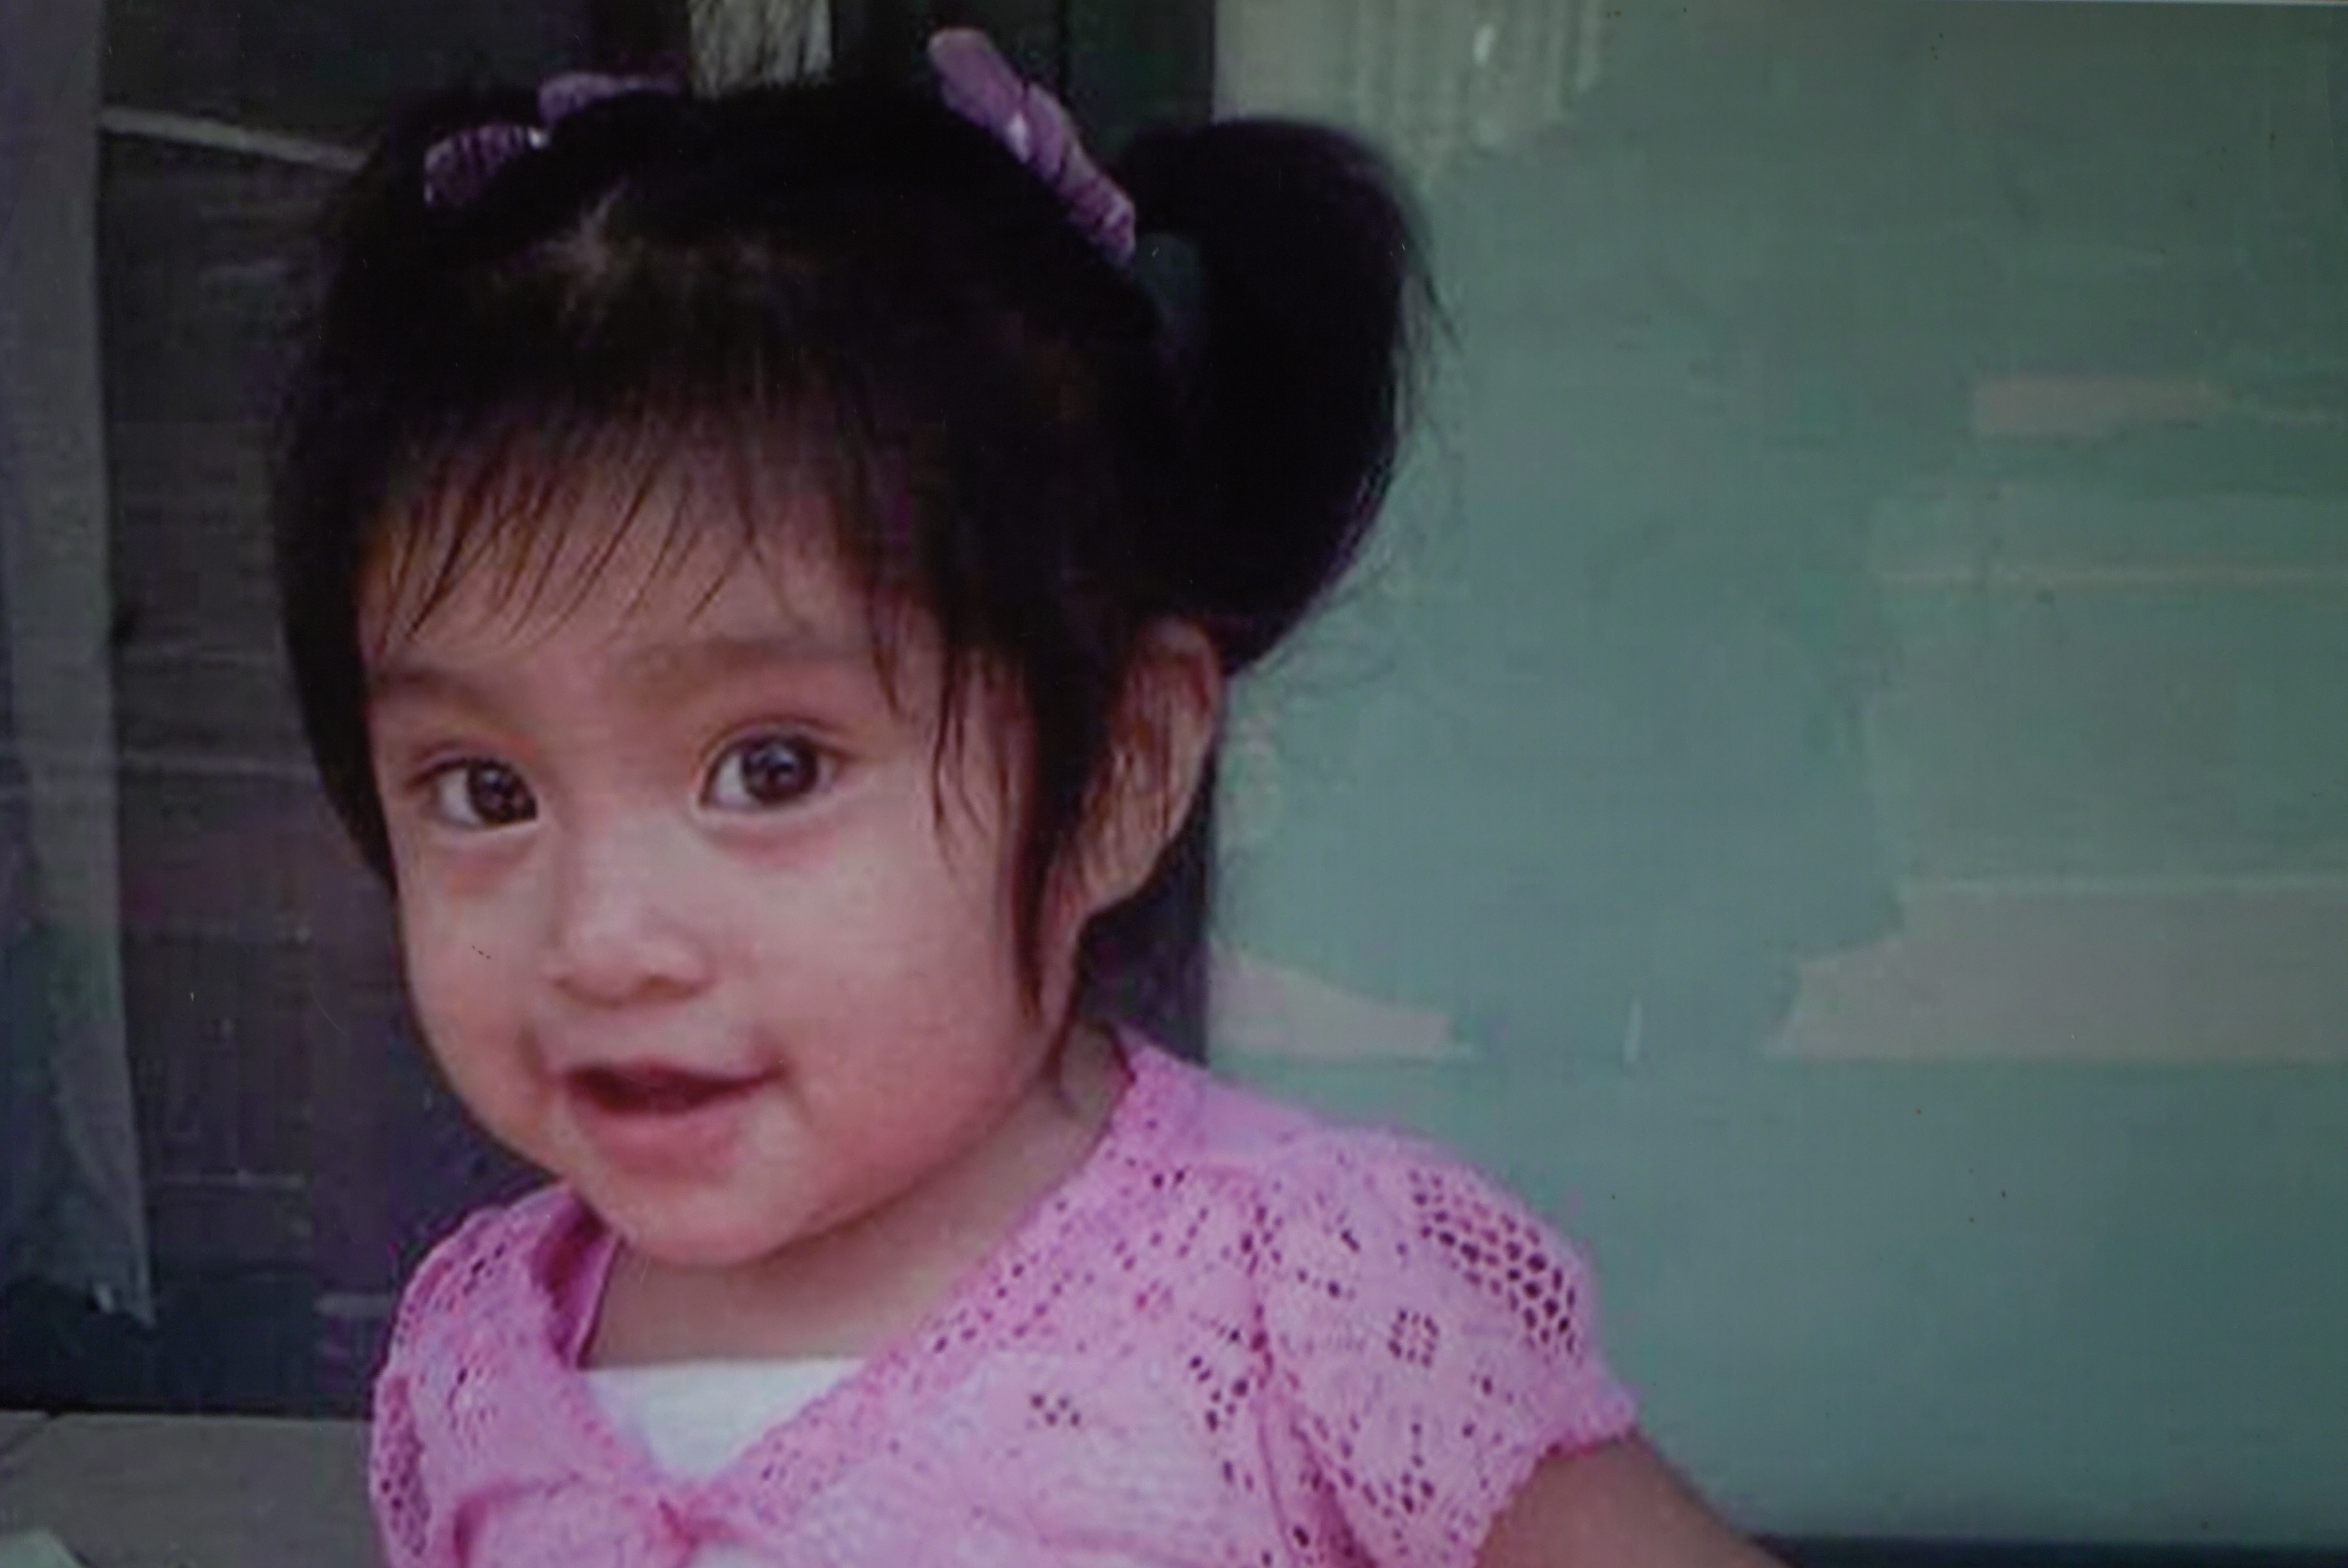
pixel 693 918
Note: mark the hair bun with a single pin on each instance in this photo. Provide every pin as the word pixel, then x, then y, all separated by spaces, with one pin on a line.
pixel 1289 273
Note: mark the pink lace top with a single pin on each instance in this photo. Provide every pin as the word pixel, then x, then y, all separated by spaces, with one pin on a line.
pixel 1236 1336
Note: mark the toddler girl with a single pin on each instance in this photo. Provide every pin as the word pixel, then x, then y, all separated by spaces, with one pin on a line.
pixel 761 574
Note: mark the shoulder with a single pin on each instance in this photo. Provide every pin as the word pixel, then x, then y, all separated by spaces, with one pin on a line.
pixel 1429 1337
pixel 1388 1211
pixel 483 1266
pixel 1384 1222
pixel 491 1279
pixel 477 1284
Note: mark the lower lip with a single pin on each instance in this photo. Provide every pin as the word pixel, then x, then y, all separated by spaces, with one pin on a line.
pixel 680 1140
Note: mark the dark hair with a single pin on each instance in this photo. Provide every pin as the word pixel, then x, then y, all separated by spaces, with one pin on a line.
pixel 1018 437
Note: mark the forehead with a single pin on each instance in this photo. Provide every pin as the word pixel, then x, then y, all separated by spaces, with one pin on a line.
pixel 604 565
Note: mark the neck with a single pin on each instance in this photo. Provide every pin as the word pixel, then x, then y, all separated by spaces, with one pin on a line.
pixel 850 1289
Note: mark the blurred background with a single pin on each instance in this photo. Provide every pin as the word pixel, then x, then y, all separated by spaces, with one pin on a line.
pixel 1834 779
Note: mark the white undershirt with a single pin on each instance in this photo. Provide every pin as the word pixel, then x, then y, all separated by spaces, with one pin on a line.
pixel 695 1418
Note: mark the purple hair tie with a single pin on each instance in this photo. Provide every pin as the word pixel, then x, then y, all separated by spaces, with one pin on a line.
pixel 978 85
pixel 459 167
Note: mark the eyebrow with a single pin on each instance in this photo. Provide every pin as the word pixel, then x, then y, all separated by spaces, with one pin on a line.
pixel 659 673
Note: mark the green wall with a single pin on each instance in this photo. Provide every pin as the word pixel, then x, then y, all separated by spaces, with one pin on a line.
pixel 1719 614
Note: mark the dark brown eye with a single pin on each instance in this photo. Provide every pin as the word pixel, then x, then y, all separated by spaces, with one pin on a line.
pixel 764 772
pixel 481 794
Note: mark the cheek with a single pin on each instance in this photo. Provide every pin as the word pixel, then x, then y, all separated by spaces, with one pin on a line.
pixel 465 999
pixel 943 875
pixel 902 922
pixel 906 928
pixel 460 971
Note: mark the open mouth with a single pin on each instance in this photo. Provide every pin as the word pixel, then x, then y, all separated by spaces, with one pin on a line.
pixel 657 1091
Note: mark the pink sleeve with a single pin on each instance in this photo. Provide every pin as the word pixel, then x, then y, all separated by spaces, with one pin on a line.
pixel 1436 1341
pixel 395 1479
pixel 398 1465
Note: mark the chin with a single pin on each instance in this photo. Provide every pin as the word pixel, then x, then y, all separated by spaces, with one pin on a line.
pixel 696 1232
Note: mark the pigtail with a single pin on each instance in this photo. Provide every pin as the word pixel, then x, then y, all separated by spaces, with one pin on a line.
pixel 1299 370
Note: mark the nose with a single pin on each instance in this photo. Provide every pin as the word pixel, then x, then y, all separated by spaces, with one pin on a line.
pixel 621 927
